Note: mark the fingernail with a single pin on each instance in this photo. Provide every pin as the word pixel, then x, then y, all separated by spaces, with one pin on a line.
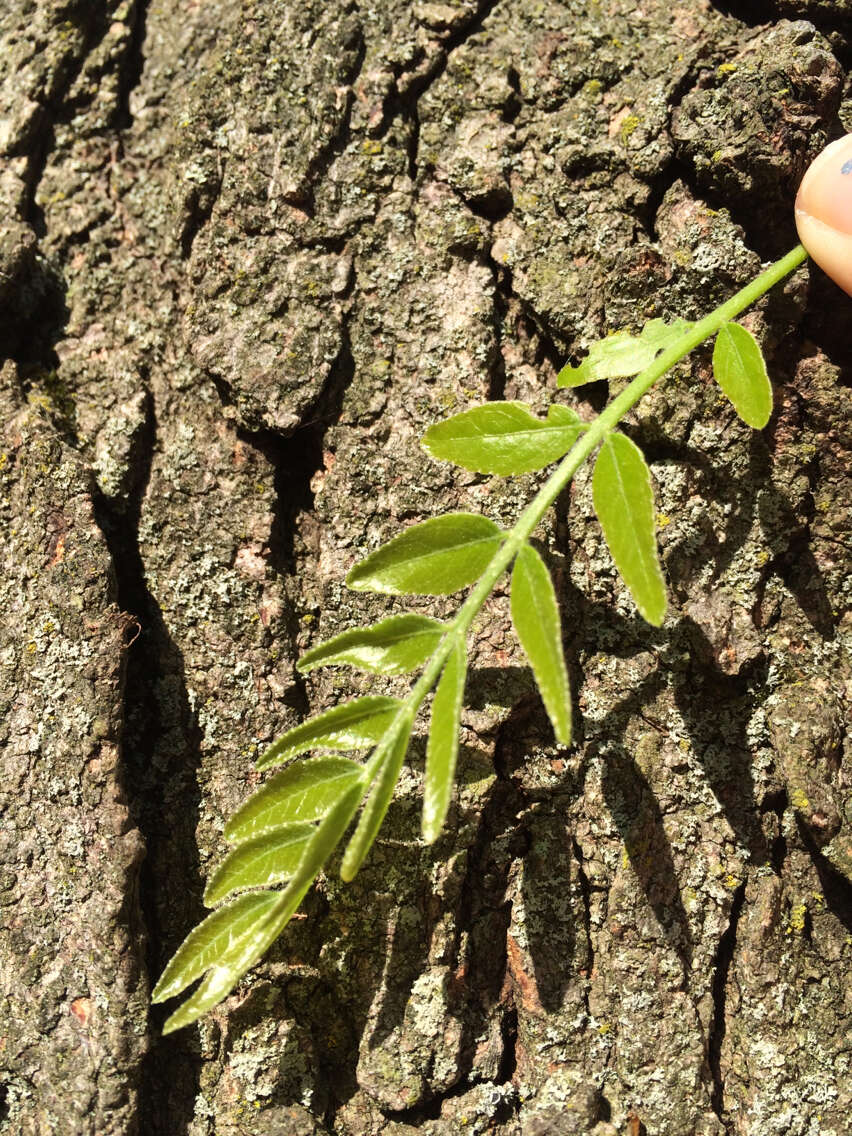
pixel 824 211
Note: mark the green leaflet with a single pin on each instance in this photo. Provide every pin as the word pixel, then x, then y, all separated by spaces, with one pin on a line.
pixel 535 615
pixel 378 801
pixel 355 725
pixel 503 438
pixel 304 791
pixel 443 746
pixel 621 355
pixel 564 416
pixel 740 370
pixel 244 933
pixel 265 860
pixel 208 943
pixel 218 984
pixel 395 646
pixel 624 503
pixel 434 558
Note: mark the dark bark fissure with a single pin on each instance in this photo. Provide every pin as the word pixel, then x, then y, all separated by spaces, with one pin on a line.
pixel 777 803
pixel 510 308
pixel 492 207
pixel 718 1024
pixel 832 336
pixel 198 208
pixel 770 238
pixel 509 1035
pixel 296 458
pixel 154 658
pixel 321 162
pixel 133 64
pixel 497 371
pixel 202 199
pixel 750 12
pixel 41 322
pixel 676 169
pixel 482 899
pixel 586 893
pixel 405 104
pixel 96 24
pixel 756 13
pixel 836 888
pixel 431 1110
pixel 413 141
pixel 32 344
pixel 461 35
pixel 152 655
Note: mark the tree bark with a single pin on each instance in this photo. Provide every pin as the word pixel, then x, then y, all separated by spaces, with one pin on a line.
pixel 248 253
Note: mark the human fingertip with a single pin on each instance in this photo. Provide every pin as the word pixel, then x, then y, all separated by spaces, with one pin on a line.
pixel 824 211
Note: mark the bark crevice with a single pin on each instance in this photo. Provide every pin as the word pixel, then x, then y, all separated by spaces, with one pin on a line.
pixel 718 1023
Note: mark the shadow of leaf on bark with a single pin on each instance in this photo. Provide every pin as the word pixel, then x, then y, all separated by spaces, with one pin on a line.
pixel 637 815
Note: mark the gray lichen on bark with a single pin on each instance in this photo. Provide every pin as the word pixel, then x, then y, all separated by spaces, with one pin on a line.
pixel 248 253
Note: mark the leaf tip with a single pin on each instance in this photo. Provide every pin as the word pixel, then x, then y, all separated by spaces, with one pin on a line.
pixel 563 735
pixel 656 613
pixel 430 831
pixel 211 896
pixel 760 421
pixel 157 994
pixel 352 580
pixel 183 1016
pixel 349 868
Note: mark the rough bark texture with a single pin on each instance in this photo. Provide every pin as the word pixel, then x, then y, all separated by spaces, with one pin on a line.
pixel 248 252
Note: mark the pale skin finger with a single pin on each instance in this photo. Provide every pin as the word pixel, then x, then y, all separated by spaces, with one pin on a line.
pixel 824 211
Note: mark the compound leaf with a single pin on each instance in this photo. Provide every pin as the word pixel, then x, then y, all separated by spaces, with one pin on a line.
pixel 621 354
pixel 740 370
pixel 503 438
pixel 434 558
pixel 265 860
pixel 535 615
pixel 624 503
pixel 443 746
pixel 395 646
pixel 304 791
pixel 378 800
pixel 355 725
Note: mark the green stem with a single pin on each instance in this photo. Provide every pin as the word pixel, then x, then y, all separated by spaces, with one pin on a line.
pixel 606 421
